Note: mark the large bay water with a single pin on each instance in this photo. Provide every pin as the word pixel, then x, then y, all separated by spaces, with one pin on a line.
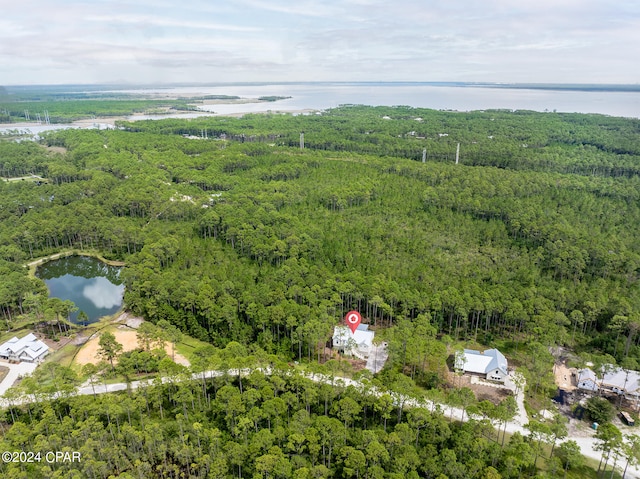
pixel 462 97
pixel 92 285
pixel 322 96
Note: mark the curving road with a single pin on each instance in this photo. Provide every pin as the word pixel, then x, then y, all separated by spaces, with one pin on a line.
pixel 587 444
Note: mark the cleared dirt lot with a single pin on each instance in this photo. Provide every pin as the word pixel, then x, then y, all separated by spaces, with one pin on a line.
pixel 482 391
pixel 564 376
pixel 125 336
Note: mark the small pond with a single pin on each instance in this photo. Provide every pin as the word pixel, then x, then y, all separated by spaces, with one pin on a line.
pixel 94 287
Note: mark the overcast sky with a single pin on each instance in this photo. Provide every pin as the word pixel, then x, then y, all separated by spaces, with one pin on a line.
pixel 207 41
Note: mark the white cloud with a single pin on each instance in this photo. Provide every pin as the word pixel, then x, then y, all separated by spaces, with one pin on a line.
pixel 103 294
pixel 252 40
pixel 304 8
pixel 158 21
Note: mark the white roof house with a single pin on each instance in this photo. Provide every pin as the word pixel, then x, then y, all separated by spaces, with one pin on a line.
pixel 615 380
pixel 490 363
pixel 358 343
pixel 28 348
pixel 587 380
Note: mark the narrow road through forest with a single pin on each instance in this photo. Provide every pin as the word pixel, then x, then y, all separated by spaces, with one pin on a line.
pixel 587 444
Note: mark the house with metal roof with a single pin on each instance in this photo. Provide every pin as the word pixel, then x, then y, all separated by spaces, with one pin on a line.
pixel 587 380
pixel 615 380
pixel 358 343
pixel 28 349
pixel 490 364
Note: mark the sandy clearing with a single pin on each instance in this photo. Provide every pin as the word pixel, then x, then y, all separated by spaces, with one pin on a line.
pixel 564 376
pixel 130 320
pixel 129 341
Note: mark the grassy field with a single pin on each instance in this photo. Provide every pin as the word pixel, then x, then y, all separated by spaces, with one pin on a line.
pixel 188 345
pixel 63 356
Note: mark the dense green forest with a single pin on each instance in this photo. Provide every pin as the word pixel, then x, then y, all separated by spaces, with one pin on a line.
pixel 277 426
pixel 530 241
pixel 254 240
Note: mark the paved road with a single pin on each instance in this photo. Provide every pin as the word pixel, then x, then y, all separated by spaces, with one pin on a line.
pixel 517 425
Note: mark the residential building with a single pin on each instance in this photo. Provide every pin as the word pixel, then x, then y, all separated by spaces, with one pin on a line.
pixel 490 364
pixel 28 349
pixel 358 343
pixel 587 380
pixel 615 380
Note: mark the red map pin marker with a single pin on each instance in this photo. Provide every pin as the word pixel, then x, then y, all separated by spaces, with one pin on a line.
pixel 353 319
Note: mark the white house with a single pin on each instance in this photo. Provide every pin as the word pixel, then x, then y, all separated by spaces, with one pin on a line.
pixel 28 349
pixel 358 343
pixel 587 380
pixel 490 363
pixel 615 380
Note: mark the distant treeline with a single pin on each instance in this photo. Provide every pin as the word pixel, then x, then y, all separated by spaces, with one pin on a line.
pixel 273 98
pixel 66 111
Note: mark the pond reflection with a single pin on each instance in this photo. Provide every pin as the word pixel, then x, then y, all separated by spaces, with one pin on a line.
pixel 92 285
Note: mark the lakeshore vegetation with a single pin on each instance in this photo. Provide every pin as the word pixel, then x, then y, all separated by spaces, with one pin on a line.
pixel 529 242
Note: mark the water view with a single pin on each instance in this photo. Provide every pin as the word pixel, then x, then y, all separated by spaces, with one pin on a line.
pixel 321 96
pixel 92 285
pixel 461 97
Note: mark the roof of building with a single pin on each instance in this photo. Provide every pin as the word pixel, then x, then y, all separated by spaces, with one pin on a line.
pixel 615 377
pixel 586 374
pixel 29 345
pixel 481 361
pixel 362 335
pixel 626 380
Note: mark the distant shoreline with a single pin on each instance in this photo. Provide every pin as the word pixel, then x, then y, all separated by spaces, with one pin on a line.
pixel 565 87
pixel 604 99
pixel 111 120
pixel 599 87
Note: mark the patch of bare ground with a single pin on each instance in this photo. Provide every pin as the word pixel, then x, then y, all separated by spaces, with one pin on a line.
pixel 494 394
pixel 126 336
pixel 79 340
pixel 565 376
pixel 356 364
pixel 129 320
pixel 578 428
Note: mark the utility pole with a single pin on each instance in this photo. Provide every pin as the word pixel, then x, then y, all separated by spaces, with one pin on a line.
pixel 457 153
pixel 302 140
pixel 424 155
